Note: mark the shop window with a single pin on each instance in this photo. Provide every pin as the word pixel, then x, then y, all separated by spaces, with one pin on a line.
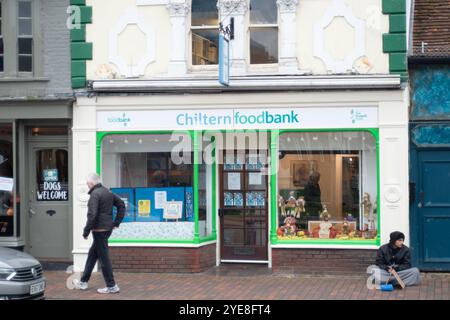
pixel 263 32
pixel 153 174
pixel 205 32
pixel 6 181
pixel 327 186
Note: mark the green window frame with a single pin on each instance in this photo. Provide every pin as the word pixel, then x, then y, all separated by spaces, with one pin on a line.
pixel 274 148
pixel 195 136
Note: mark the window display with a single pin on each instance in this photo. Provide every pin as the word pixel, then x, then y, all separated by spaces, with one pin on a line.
pixel 6 181
pixel 155 179
pixel 327 186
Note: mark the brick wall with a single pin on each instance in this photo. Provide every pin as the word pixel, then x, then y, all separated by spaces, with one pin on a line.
pixel 322 261
pixel 163 259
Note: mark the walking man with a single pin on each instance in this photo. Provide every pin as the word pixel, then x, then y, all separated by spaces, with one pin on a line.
pixel 396 256
pixel 101 224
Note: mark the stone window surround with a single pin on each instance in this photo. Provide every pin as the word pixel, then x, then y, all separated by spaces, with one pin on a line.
pixel 179 11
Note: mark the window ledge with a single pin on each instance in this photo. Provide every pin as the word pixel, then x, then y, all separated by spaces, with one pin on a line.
pixel 24 79
pixel 248 83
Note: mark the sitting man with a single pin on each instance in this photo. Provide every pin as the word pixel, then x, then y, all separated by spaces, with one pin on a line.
pixel 396 256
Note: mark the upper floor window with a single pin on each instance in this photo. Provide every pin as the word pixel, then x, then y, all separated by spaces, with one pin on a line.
pixel 2 54
pixel 16 37
pixel 205 32
pixel 263 32
pixel 25 37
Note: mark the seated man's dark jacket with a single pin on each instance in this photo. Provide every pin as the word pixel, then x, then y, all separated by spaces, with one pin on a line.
pixel 398 258
pixel 100 210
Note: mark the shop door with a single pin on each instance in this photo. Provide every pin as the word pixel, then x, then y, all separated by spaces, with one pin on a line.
pixel 430 212
pixel 48 203
pixel 243 206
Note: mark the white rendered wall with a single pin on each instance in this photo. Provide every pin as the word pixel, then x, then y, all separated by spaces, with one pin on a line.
pixel 342 29
pixel 393 127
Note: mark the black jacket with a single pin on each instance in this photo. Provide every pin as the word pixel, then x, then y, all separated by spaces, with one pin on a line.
pixel 398 258
pixel 100 210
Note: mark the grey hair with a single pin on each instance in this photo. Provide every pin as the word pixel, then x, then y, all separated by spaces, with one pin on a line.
pixel 94 178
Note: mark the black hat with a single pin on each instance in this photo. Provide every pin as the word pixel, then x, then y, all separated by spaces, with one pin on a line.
pixel 396 235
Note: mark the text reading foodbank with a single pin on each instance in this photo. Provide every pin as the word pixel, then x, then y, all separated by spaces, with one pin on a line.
pixel 238 118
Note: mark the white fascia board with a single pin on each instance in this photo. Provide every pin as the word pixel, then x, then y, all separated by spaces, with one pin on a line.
pixel 251 83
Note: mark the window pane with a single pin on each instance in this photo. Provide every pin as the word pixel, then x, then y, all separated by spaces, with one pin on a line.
pixel 25 27
pixel 205 47
pixel 204 13
pixel 155 182
pixel 52 175
pixel 1 64
pixel 25 46
pixel 24 9
pixel 327 186
pixel 263 45
pixel 6 178
pixel 25 64
pixel 1 46
pixel 263 12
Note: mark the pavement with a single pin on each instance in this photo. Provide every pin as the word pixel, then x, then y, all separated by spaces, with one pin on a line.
pixel 243 283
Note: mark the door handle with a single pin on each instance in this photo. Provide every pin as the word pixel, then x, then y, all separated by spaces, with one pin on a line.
pixel 32 212
pixel 421 197
pixel 221 212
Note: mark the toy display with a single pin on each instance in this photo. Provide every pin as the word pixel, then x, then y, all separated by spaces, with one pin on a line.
pixel 292 207
pixel 293 216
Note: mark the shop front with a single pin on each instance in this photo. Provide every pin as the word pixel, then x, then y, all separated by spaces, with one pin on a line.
pixel 298 181
pixel 35 199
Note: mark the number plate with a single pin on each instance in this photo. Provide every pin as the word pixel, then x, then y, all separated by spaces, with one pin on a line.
pixel 37 288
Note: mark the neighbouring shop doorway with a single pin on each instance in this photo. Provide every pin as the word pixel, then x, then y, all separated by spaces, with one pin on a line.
pixel 430 210
pixel 243 209
pixel 49 199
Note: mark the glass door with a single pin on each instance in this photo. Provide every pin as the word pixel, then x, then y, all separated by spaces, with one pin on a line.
pixel 243 205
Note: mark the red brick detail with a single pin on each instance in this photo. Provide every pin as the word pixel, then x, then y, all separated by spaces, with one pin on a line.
pixel 322 261
pixel 163 259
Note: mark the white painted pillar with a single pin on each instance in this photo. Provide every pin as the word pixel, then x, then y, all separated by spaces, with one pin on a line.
pixel 178 11
pixel 84 162
pixel 288 63
pixel 236 9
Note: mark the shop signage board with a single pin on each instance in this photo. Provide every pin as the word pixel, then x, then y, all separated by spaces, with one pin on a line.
pixel 224 60
pixel 231 119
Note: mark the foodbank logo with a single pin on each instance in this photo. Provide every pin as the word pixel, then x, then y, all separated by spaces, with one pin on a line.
pixel 124 119
pixel 357 116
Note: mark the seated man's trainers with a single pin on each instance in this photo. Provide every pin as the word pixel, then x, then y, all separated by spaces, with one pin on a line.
pixel 106 290
pixel 79 285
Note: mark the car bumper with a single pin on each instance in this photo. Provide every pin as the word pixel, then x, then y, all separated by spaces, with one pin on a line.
pixel 15 290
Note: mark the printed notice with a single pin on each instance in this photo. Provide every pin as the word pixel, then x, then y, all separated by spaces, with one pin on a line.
pixel 160 199
pixel 234 181
pixel 255 178
pixel 6 184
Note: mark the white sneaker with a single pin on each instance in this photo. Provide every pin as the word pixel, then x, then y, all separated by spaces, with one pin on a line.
pixel 79 285
pixel 107 290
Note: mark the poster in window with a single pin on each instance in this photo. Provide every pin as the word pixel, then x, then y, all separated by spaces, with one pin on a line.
pixel 173 210
pixel 144 208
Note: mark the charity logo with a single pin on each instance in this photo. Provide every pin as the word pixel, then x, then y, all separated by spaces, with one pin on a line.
pixel 357 116
pixel 124 119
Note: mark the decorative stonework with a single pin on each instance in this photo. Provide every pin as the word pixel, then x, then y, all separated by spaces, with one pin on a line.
pixel 132 17
pixel 178 8
pixel 232 7
pixel 339 9
pixel 285 6
pixel 392 194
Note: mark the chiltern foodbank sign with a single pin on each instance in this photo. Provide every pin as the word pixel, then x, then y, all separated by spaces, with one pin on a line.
pixel 213 119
